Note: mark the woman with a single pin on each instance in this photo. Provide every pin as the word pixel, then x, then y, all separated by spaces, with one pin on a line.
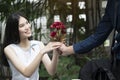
pixel 24 55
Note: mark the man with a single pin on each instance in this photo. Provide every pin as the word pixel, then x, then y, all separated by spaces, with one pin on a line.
pixel 105 27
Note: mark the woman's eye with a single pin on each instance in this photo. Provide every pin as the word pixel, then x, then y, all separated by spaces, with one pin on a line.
pixel 21 25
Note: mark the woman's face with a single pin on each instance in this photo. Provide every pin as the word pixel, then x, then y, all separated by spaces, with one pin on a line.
pixel 24 28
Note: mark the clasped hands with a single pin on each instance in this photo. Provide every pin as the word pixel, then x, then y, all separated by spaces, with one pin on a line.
pixel 60 47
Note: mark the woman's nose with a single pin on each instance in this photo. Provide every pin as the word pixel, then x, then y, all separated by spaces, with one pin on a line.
pixel 27 26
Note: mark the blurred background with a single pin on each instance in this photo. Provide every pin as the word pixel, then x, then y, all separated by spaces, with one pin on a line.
pixel 80 18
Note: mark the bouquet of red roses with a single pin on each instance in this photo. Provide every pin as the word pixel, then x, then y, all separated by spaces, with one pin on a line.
pixel 58 31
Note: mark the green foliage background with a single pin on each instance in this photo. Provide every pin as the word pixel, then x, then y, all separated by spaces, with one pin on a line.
pixel 66 70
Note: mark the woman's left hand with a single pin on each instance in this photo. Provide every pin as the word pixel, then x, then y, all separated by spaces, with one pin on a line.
pixel 51 46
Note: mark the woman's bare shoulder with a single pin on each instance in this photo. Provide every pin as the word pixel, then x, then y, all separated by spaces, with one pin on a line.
pixel 8 48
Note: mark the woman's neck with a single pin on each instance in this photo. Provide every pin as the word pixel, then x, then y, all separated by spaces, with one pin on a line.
pixel 25 44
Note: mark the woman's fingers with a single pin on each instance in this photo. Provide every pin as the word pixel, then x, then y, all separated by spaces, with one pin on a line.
pixel 52 45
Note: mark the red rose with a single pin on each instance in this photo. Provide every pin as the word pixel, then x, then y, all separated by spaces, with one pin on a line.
pixel 53 34
pixel 58 31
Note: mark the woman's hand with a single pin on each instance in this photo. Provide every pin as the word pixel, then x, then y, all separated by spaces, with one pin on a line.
pixel 57 51
pixel 51 46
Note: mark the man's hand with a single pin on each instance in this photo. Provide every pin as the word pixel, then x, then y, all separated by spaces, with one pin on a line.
pixel 66 50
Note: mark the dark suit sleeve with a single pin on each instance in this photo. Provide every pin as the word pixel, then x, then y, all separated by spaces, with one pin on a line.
pixel 102 32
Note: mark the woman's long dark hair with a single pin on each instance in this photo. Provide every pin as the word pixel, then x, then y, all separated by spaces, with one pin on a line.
pixel 11 33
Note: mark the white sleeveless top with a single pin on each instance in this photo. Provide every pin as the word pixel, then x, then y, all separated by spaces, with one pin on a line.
pixel 26 57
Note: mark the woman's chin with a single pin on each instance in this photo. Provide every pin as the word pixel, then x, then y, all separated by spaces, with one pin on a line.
pixel 28 35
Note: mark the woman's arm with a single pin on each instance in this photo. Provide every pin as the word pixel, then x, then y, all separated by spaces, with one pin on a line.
pixel 28 70
pixel 25 70
pixel 51 65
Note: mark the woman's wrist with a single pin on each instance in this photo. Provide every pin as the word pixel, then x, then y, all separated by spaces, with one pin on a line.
pixel 55 52
pixel 42 52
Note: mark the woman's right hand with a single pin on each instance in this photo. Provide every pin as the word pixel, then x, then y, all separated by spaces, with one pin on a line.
pixel 51 46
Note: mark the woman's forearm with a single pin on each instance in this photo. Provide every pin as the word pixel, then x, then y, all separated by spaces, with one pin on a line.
pixel 29 70
pixel 54 62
